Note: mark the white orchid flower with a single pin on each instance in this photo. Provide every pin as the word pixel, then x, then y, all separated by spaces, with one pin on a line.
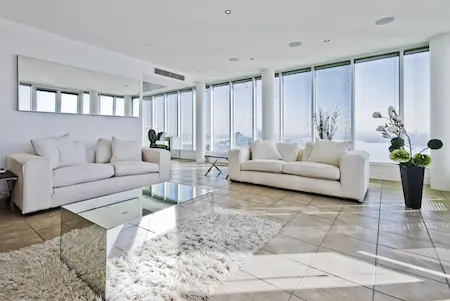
pixel 376 115
pixel 392 112
pixel 391 129
pixel 380 128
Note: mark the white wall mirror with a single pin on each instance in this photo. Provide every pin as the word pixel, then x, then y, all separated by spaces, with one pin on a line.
pixel 56 88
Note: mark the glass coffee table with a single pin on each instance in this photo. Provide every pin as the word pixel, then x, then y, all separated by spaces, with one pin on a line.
pixel 95 230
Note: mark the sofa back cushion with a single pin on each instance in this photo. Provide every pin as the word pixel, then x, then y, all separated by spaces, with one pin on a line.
pixel 328 152
pixel 80 153
pixel 262 150
pixel 125 150
pixel 288 151
pixel 103 152
pixel 60 151
pixel 307 151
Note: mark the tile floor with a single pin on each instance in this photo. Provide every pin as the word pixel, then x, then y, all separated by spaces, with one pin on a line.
pixel 328 248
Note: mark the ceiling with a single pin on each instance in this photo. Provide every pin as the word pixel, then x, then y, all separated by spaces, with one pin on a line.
pixel 197 38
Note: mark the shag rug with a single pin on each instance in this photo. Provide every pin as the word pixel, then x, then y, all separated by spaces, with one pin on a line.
pixel 185 264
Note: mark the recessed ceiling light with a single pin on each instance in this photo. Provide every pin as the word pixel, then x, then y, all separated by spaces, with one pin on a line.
pixel 146 44
pixel 326 41
pixel 228 11
pixel 234 59
pixel 200 71
pixel 384 21
pixel 295 44
pixel 252 59
pixel 126 86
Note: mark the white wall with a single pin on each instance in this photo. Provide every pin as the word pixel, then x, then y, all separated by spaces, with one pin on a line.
pixel 17 128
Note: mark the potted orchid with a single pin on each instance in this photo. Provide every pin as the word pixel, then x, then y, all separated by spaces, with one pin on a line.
pixel 412 166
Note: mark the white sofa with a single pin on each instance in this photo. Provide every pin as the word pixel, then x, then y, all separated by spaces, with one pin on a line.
pixel 40 187
pixel 350 179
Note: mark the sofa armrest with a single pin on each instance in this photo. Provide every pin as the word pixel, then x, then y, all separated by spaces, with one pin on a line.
pixel 354 166
pixel 33 190
pixel 235 158
pixel 160 157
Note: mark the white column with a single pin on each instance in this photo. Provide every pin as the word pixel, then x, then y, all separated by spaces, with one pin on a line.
pixel 94 103
pixel 200 122
pixel 268 104
pixel 439 110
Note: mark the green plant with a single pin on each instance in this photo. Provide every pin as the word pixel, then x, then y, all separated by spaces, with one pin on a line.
pixel 394 129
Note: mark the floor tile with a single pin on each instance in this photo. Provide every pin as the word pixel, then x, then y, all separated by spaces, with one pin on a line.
pixel 411 263
pixel 44 220
pixel 288 205
pixel 17 230
pixel 240 195
pixel 359 220
pixel 349 246
pixel 408 244
pixel 358 232
pixel 276 270
pixel 299 197
pixel 317 285
pixel 409 287
pixel 25 240
pixel 243 283
pixel 292 248
pixel 440 237
pixel 311 220
pixel 51 232
pixel 263 200
pixel 313 235
pixel 344 266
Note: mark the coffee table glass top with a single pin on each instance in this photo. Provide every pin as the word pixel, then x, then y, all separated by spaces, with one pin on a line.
pixel 117 209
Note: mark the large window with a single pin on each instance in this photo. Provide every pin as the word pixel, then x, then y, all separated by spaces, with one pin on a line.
pixel 86 103
pixel 376 88
pixel 186 114
pixel 147 118
pixel 243 113
pixel 136 106
pixel 106 105
pixel 416 112
pixel 334 97
pixel 24 97
pixel 297 105
pixel 221 118
pixel 172 114
pixel 258 109
pixel 158 113
pixel 69 103
pixel 120 106
pixel 208 119
pixel 45 101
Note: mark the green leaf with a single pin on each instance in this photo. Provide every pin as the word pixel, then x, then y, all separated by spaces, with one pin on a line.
pixel 393 148
pixel 397 142
pixel 435 144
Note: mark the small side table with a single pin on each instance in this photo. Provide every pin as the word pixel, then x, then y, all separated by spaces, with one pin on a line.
pixel 10 179
pixel 213 162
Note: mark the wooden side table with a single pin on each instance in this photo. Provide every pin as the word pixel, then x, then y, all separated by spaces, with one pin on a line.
pixel 10 179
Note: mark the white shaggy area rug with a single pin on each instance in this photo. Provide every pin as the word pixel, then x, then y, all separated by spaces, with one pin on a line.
pixel 184 264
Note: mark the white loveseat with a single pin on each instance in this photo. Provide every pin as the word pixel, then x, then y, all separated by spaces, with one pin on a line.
pixel 349 178
pixel 41 187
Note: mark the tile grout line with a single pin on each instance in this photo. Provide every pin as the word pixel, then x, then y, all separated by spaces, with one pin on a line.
pixel 378 238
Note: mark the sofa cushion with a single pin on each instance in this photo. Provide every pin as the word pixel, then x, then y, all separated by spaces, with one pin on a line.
pixel 328 152
pixel 103 152
pixel 76 174
pixel 263 165
pixel 262 150
pixel 288 151
pixel 312 170
pixel 125 150
pixel 126 168
pixel 307 151
pixel 60 151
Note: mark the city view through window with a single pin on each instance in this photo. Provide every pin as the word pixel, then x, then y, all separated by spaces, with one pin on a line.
pixel 354 89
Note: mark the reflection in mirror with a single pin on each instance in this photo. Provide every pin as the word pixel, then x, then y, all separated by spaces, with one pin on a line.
pixel 51 87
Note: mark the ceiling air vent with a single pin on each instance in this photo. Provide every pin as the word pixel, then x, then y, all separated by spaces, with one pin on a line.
pixel 169 74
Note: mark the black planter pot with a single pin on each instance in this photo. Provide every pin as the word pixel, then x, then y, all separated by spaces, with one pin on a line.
pixel 412 182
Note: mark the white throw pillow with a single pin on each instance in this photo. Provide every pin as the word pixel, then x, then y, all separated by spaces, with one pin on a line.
pixel 262 150
pixel 288 151
pixel 59 150
pixel 307 151
pixel 125 150
pixel 103 152
pixel 328 152
pixel 80 153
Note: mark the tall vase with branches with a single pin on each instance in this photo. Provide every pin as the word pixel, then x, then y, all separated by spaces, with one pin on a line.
pixel 326 123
